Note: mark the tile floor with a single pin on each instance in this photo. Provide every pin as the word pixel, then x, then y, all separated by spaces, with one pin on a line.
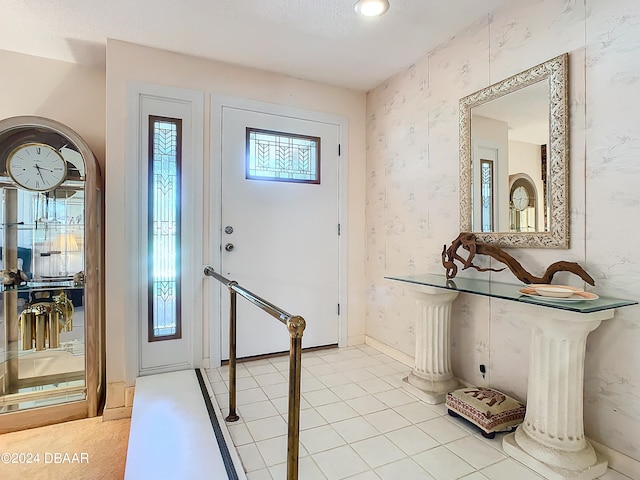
pixel 356 423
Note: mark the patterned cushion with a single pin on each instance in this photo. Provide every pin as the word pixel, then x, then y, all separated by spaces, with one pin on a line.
pixel 487 408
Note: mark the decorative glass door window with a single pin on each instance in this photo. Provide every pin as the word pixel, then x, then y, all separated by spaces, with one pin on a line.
pixel 282 157
pixel 164 228
pixel 486 191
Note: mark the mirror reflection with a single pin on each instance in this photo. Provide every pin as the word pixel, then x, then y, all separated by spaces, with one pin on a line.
pixel 509 138
pixel 513 159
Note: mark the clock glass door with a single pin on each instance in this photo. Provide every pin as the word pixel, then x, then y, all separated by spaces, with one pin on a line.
pixel 42 258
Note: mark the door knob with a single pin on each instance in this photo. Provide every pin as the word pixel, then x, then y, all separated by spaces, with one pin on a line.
pixel 228 229
pixel 229 247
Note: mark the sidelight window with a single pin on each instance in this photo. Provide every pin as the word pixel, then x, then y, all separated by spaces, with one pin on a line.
pixel 164 228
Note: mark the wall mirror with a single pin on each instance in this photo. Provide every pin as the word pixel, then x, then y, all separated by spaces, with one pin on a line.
pixel 514 159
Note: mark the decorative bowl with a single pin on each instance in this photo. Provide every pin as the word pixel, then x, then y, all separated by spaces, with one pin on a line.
pixel 554 291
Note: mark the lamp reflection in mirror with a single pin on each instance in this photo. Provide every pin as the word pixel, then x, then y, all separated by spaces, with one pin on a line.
pixel 65 243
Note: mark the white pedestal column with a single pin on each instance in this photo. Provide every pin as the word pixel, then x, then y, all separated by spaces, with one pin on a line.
pixel 432 377
pixel 551 439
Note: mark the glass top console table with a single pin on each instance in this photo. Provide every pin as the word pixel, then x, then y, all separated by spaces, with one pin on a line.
pixel 551 439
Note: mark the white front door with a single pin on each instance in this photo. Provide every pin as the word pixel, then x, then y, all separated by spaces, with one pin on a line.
pixel 281 236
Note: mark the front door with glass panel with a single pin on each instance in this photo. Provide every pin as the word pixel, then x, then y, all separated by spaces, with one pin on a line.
pixel 280 226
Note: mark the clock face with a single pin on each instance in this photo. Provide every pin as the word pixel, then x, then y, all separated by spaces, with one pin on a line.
pixel 36 166
pixel 520 198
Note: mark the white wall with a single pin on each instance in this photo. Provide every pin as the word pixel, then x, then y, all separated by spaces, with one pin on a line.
pixel 412 195
pixel 127 63
pixel 68 93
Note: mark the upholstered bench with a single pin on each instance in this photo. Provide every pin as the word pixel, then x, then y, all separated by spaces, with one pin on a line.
pixel 492 411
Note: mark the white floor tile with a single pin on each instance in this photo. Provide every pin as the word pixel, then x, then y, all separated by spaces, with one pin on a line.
pixel 322 369
pixel 613 475
pixel 443 464
pixel 387 420
pixel 320 439
pixel 260 367
pixel 359 374
pixel 349 391
pixel 336 412
pixel 405 469
pixel 412 440
pixel 307 470
pixel 240 433
pixel 341 462
pixel 334 357
pixel 353 352
pixel 377 451
pixel 508 470
pixel 416 412
pixel 355 429
pixel 251 395
pixel 250 457
pixel 310 418
pixel 256 411
pixel 318 398
pixel 358 423
pixel 311 384
pixel 365 405
pixel 381 370
pixel 219 387
pixel 267 428
pixel 274 450
pixel 334 379
pixel 270 379
pixel 475 452
pixel 277 390
pixel 475 476
pixel 262 474
pixel 368 475
pixel 375 385
pixel 442 430
pixel 395 398
pixel 244 383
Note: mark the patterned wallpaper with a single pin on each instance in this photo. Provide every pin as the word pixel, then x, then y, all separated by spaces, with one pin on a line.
pixel 412 196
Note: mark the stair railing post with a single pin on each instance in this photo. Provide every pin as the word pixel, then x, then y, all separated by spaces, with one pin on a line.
pixel 296 326
pixel 233 416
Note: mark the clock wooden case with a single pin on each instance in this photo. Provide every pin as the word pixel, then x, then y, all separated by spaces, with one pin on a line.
pixel 51 322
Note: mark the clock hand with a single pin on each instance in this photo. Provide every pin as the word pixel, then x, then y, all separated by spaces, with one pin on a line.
pixel 39 172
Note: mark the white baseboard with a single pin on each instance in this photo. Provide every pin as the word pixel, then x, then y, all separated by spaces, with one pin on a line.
pixel 618 461
pixel 402 357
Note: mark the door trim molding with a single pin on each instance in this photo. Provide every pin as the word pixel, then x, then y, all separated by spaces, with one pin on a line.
pixel 135 287
pixel 218 102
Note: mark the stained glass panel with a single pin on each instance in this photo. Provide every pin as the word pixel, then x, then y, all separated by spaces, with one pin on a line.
pixel 164 229
pixel 282 157
pixel 486 187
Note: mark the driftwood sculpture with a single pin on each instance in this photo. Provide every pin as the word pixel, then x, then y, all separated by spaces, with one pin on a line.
pixel 468 242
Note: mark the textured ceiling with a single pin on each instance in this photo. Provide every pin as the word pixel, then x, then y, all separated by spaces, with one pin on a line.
pixel 321 40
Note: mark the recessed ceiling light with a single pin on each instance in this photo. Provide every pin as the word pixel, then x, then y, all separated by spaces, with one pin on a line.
pixel 371 8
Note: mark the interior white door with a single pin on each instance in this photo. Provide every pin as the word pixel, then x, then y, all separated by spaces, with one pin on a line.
pixel 284 237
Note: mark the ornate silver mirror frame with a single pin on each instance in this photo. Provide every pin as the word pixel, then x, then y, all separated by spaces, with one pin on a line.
pixel 556 235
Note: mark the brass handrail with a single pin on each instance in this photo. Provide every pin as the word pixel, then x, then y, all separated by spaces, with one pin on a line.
pixel 295 325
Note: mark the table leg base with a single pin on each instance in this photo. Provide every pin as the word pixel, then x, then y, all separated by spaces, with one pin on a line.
pixel 511 447
pixel 430 397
